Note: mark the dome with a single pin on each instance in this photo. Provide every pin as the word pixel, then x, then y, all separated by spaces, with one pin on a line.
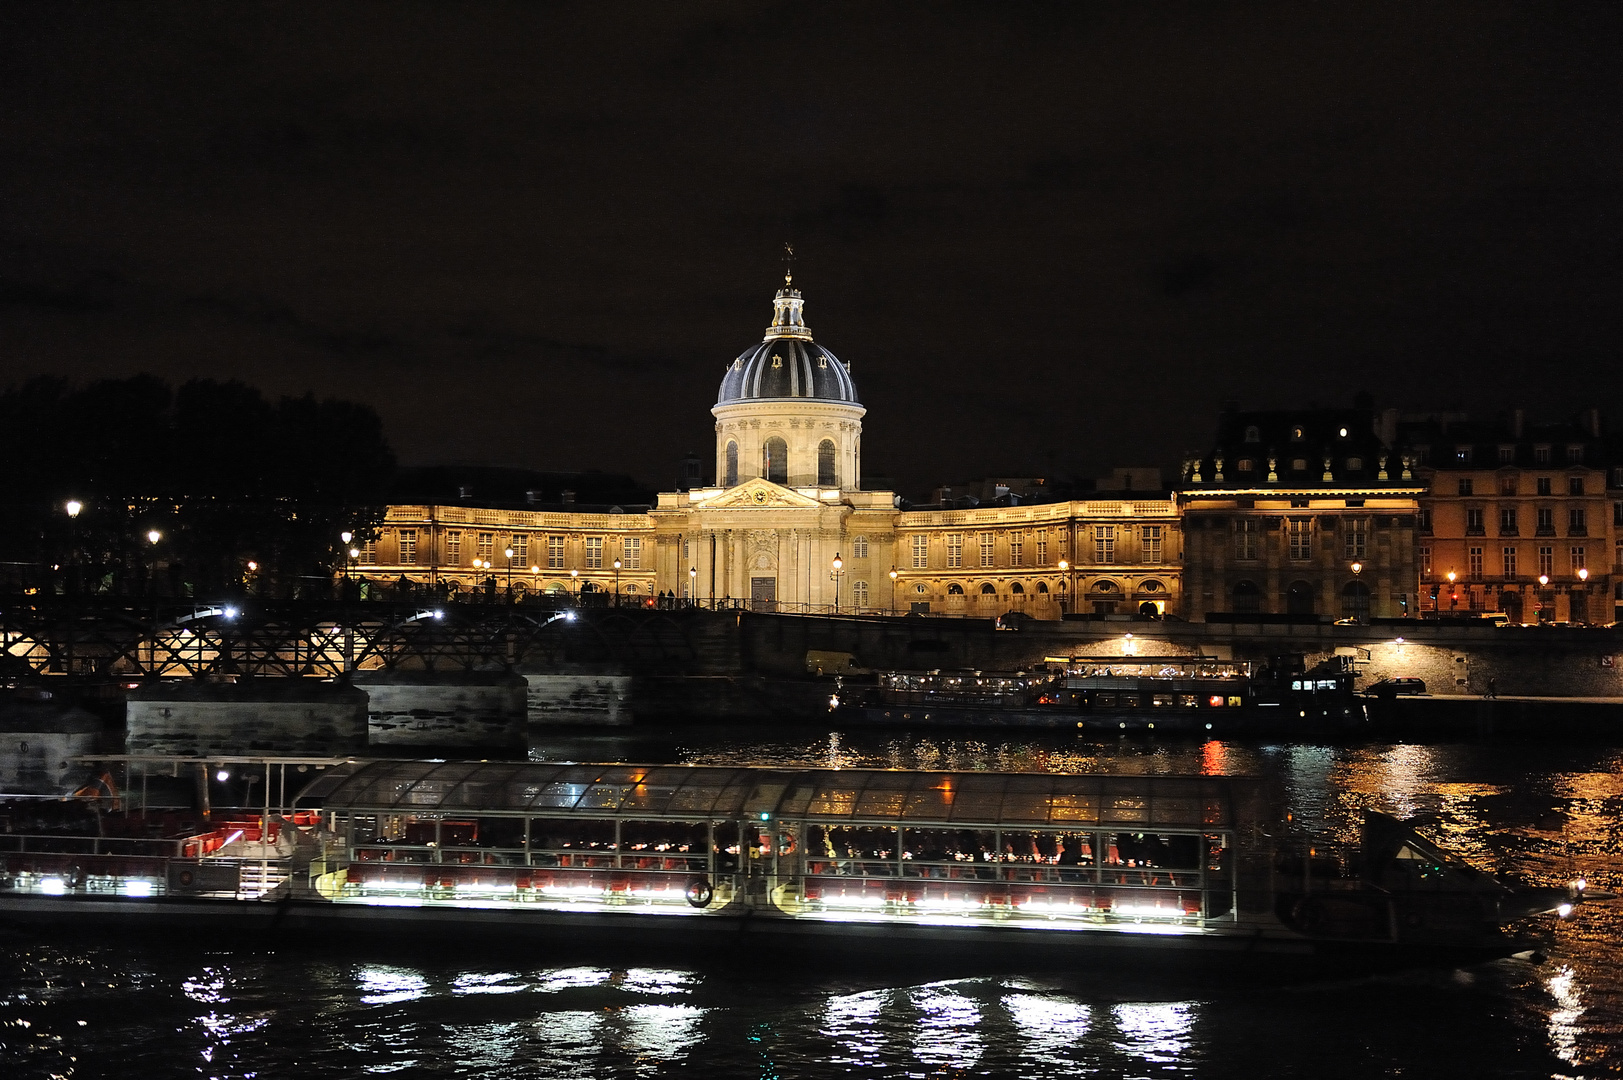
pixel 786 364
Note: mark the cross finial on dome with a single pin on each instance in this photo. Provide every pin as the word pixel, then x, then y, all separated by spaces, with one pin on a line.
pixel 788 265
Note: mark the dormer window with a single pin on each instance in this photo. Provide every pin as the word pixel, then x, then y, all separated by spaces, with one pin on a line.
pixel 1507 455
pixel 1354 464
pixel 1298 433
pixel 1541 455
pixel 1245 465
pixel 1299 464
pixel 1575 455
pixel 1253 434
pixel 1462 455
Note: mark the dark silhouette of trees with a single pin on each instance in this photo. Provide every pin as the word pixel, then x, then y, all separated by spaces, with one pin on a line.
pixel 245 495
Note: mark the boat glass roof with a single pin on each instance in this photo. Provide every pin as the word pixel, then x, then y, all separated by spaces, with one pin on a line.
pixel 719 792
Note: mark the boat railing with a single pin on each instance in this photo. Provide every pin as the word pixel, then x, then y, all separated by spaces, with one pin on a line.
pixel 57 843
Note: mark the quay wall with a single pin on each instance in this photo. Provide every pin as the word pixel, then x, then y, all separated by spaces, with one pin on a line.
pixel 471 710
pixel 599 700
pixel 258 716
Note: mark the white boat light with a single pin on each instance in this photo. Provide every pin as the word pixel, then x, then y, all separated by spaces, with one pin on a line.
pixel 53 886
pixel 1564 910
pixel 137 888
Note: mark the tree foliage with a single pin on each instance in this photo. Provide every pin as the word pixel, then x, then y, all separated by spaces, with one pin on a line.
pixel 225 477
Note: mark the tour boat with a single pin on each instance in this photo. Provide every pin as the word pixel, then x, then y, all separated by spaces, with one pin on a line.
pixel 1035 865
pixel 1115 693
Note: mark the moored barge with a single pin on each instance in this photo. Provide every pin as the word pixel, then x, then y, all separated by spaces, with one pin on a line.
pixel 1196 694
pixel 821 859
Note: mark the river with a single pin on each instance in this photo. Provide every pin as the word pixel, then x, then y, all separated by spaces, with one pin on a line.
pixel 206 1008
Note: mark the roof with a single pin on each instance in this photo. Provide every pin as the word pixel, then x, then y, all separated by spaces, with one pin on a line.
pixel 787 364
pixel 690 792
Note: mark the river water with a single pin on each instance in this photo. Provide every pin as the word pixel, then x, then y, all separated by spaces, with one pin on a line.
pixel 206 1008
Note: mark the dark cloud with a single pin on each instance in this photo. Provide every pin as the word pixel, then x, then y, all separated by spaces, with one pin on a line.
pixel 1055 234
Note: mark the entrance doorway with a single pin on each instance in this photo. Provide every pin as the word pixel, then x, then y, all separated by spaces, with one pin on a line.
pixel 763 594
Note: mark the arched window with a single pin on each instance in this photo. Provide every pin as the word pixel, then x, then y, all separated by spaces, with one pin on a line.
pixel 859 593
pixel 732 464
pixel 921 589
pixel 1017 589
pixel 1247 597
pixel 825 464
pixel 988 589
pixel 1104 586
pixel 1299 598
pixel 775 460
pixel 1355 600
pixel 1042 587
pixel 1150 586
pixel 859 547
pixel 955 589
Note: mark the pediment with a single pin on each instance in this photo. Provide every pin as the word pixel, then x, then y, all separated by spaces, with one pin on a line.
pixel 759 494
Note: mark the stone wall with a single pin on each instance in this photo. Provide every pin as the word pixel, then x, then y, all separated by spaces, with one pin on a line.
pixel 462 710
pixel 603 700
pixel 259 716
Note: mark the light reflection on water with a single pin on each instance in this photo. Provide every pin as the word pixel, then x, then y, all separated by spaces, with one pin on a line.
pixel 1540 813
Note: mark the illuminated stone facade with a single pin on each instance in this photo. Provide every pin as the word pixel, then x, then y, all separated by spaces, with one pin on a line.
pixel 787 503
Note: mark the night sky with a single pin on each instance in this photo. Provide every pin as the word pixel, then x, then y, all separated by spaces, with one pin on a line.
pixel 1049 238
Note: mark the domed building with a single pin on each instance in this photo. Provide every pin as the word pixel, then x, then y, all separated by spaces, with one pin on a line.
pixel 787 526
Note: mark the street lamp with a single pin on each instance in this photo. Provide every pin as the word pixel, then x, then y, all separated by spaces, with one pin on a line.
pixel 535 572
pixel 693 583
pixel 574 586
pixel 73 507
pixel 893 576
pixel 616 582
pixel 509 553
pixel 838 567
pixel 1064 585
pixel 346 537
pixel 1453 597
pixel 1357 568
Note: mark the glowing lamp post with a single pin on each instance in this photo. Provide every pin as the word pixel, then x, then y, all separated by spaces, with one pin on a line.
pixel 836 568
pixel 616 582
pixel 509 553
pixel 1064 585
pixel 893 576
pixel 574 585
pixel 1453 597
pixel 693 583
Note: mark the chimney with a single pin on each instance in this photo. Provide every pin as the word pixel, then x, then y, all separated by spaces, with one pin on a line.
pixel 1518 421
pixel 1388 430
pixel 1594 423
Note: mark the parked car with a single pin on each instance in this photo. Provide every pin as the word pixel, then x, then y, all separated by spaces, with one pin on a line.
pixel 1394 687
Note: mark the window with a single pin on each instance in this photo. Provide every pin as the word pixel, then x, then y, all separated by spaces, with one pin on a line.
pixel 1104 543
pixel 453 548
pixel 921 552
pixel 1462 455
pixel 594 553
pixel 1575 455
pixel 1253 434
pixel 1016 549
pixel 1544 485
pixel 1467 487
pixel 1042 551
pixel 1507 521
pixel 988 589
pixel 1425 519
pixel 775 460
pixel 1617 513
pixel 631 552
pixel 732 464
pixel 1576 556
pixel 825 464
pixel 1507 455
pixel 1355 538
pixel 1546 522
pixel 1473 563
pixel 988 548
pixel 1507 484
pixel 1247 597
pixel 1575 485
pixel 1245 539
pixel 1577 521
pixel 1245 465
pixel 1425 563
pixel 1301 539
pixel 1473 522
pixel 1541 455
pixel 369 552
pixel 955 589
pixel 487 544
pixel 1546 561
pixel 955 551
pixel 1355 600
pixel 555 553
pixel 859 593
pixel 1150 543
pixel 1509 561
pixel 1299 464
pixel 1354 464
pixel 859 547
pixel 521 549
